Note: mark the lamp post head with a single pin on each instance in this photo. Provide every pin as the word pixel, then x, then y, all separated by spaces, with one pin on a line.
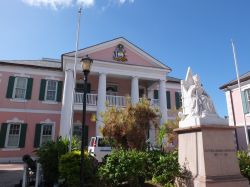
pixel 86 64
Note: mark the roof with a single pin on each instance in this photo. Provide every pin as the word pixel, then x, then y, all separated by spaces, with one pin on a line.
pixel 43 63
pixel 119 39
pixel 173 79
pixel 243 78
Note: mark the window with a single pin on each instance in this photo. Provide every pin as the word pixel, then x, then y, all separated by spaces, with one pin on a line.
pixel 246 101
pixel 178 101
pixel 20 88
pixel 77 131
pixel 51 89
pixel 13 135
pixel 46 133
pixel 80 87
pixel 168 99
pixel 112 89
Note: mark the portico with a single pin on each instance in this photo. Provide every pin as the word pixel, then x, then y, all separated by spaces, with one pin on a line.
pixel 113 83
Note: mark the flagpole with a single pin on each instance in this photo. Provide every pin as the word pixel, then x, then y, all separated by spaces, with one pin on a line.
pixel 239 86
pixel 74 76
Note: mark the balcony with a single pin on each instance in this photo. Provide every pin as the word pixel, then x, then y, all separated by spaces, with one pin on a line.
pixel 111 100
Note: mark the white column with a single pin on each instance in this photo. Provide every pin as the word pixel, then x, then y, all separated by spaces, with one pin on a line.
pixel 67 100
pixel 152 134
pixel 134 90
pixel 101 100
pixel 163 101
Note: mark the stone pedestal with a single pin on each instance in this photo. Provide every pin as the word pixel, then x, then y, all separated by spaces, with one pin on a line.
pixel 209 152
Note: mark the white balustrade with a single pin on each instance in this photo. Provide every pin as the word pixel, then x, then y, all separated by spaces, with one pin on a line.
pixel 112 100
pixel 91 99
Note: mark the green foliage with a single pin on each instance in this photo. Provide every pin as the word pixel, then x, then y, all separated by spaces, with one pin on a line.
pixel 129 126
pixel 69 167
pixel 135 166
pixel 124 166
pixel 167 169
pixel 49 154
pixel 244 163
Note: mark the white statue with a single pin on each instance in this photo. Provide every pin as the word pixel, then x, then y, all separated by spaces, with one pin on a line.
pixel 198 108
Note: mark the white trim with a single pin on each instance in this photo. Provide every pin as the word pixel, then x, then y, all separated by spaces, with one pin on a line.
pixel 7 136
pixel 30 111
pixel 52 130
pixel 18 100
pixel 32 71
pixel 245 87
pixel 15 120
pixel 10 149
pixel 52 78
pixel 22 75
pixel 50 102
pixel 120 70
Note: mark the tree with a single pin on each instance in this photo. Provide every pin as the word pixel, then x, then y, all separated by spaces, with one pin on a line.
pixel 128 127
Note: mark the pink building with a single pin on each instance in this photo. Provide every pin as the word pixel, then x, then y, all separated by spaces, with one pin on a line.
pixel 239 111
pixel 36 95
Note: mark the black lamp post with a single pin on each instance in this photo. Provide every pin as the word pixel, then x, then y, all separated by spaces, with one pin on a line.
pixel 86 64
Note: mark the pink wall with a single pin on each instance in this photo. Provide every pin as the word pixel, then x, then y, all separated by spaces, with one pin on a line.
pixel 124 84
pixel 239 118
pixel 132 57
pixel 31 119
pixel 34 103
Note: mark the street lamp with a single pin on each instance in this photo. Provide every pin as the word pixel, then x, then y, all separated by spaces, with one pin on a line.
pixel 86 65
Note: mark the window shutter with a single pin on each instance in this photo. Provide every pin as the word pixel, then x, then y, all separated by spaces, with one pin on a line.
pixel 37 135
pixel 168 100
pixel 244 102
pixel 156 96
pixel 177 100
pixel 59 91
pixel 22 135
pixel 248 133
pixel 3 132
pixel 42 89
pixel 10 87
pixel 29 88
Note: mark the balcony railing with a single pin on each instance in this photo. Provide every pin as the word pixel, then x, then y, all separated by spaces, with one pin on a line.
pixel 112 100
pixel 91 99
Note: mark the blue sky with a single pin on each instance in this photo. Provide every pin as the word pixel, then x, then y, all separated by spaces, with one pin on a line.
pixel 179 33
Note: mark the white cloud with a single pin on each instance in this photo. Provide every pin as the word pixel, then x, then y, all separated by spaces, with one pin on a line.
pixel 55 4
pixel 86 3
pixel 124 1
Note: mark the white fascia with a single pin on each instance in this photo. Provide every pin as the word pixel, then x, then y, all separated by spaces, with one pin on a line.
pixel 150 73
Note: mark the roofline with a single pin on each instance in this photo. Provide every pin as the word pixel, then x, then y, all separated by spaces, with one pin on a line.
pixel 234 82
pixel 31 66
pixel 167 67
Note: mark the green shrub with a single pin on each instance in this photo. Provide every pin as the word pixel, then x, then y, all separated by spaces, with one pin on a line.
pixel 167 169
pixel 69 167
pixel 124 166
pixel 244 163
pixel 49 154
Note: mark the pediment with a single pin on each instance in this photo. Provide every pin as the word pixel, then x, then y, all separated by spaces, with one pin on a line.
pixel 120 51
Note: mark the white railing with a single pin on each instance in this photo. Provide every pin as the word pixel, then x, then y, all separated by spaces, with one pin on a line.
pixel 155 102
pixel 90 100
pixel 111 100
